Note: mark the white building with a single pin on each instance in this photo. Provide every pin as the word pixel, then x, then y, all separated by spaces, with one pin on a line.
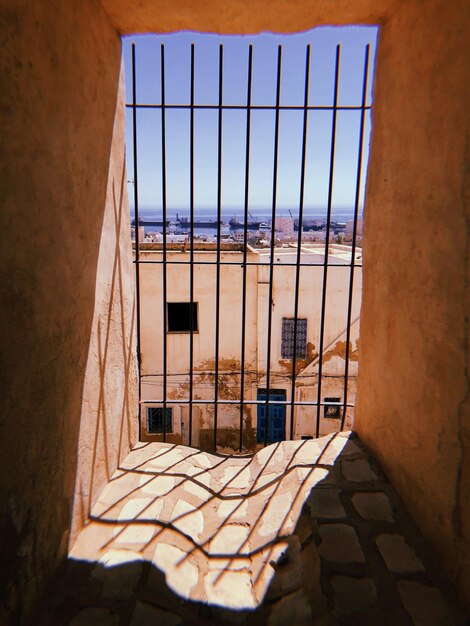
pixel 284 227
pixel 256 341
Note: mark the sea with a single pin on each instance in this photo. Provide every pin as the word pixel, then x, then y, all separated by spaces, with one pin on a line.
pixel 259 214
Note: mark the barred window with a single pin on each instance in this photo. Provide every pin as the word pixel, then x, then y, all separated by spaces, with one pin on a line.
pixel 155 420
pixel 287 343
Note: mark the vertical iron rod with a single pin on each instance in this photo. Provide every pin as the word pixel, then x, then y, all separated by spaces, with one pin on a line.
pixel 164 267
pixel 219 207
pixel 273 229
pixel 245 239
pixel 136 229
pixel 299 237
pixel 191 250
pixel 327 239
pixel 354 234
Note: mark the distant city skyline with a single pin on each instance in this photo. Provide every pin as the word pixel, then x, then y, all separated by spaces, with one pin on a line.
pixel 323 43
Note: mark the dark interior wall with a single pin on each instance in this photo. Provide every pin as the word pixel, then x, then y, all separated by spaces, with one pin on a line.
pixel 60 66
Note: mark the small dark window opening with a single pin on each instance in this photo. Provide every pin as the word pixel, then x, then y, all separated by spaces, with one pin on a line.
pixel 287 343
pixel 332 410
pixel 180 315
pixel 155 419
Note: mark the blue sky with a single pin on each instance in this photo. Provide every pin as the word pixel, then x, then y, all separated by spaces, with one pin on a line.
pixel 177 85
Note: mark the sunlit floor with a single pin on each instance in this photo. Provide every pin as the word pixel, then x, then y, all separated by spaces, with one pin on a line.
pixel 214 525
pixel 304 532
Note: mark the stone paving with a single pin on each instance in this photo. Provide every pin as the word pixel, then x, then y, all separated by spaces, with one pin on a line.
pixel 305 531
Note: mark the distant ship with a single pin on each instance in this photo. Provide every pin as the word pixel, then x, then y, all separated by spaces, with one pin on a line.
pixel 236 225
pixel 143 222
pixel 184 222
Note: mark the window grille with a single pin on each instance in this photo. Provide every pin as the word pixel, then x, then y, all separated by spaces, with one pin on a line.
pixel 156 422
pixel 290 337
pixel 294 329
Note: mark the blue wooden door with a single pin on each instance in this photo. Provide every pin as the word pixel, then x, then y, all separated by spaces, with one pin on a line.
pixel 276 416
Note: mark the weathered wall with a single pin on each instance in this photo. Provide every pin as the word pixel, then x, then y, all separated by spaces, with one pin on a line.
pixel 60 73
pixel 108 424
pixel 256 333
pixel 414 364
pixel 413 389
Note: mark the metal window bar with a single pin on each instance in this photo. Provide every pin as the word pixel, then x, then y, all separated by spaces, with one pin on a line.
pixel 299 238
pixel 292 403
pixel 271 256
pixel 136 221
pixel 191 249
pixel 354 234
pixel 327 237
pixel 164 209
pixel 245 240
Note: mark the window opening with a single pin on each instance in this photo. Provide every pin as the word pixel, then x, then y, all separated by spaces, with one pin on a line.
pixel 156 422
pixel 332 407
pixel 182 317
pixel 247 205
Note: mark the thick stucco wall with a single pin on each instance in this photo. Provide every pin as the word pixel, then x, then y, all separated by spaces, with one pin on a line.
pixel 413 387
pixel 413 406
pixel 108 424
pixel 240 16
pixel 60 72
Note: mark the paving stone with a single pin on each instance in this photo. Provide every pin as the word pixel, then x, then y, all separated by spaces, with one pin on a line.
pixel 95 617
pixel 275 516
pixel 358 471
pixel 352 594
pixel 230 539
pixel 326 503
pixel 119 576
pixel 133 508
pixel 147 615
pixel 187 519
pixel 424 604
pixel 374 506
pixel 292 609
pixel 340 544
pixel 230 589
pixel 398 555
pixel 180 573
pixel 134 534
pixel 159 486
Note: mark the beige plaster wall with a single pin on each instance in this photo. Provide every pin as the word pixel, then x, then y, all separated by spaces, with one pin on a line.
pixel 108 424
pixel 60 67
pixel 413 388
pixel 241 16
pixel 256 333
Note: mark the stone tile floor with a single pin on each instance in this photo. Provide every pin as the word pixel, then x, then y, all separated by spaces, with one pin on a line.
pixel 305 531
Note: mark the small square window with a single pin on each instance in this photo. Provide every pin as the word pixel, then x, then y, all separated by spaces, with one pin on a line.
pixel 182 317
pixel 155 419
pixel 332 410
pixel 287 343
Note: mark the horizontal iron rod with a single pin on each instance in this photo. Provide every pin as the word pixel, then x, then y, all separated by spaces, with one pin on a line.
pixel 253 107
pixel 248 402
pixel 237 264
